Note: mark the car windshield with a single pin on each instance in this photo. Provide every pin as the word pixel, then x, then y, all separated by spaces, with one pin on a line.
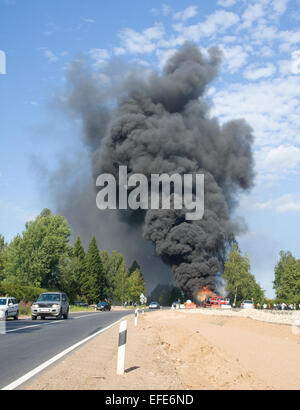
pixel 54 297
pixel 248 301
pixel 2 301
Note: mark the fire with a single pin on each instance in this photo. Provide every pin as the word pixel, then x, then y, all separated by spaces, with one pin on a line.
pixel 205 294
pixel 208 298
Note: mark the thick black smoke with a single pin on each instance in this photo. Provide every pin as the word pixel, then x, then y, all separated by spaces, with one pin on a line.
pixel 161 124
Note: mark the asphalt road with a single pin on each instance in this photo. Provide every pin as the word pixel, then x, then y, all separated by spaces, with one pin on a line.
pixel 27 344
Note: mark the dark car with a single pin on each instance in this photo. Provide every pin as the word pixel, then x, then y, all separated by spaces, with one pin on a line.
pixel 154 305
pixel 103 306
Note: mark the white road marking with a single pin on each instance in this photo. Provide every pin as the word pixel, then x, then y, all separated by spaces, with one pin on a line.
pixel 45 324
pixel 43 366
pixel 78 317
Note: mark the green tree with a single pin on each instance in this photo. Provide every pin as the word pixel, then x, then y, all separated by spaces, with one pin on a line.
pixel 239 280
pixel 3 249
pixel 92 286
pixel 133 267
pixel 33 257
pixel 121 290
pixel 136 286
pixel 112 264
pixel 287 278
pixel 78 259
pixel 69 273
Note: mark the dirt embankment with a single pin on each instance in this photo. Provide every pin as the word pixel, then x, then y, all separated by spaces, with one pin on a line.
pixel 180 350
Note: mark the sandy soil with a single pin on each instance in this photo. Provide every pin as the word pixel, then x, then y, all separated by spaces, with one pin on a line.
pixel 175 350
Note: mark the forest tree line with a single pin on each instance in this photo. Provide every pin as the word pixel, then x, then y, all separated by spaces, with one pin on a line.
pixel 42 258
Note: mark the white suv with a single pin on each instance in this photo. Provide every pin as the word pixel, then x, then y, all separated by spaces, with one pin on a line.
pixel 247 304
pixel 10 307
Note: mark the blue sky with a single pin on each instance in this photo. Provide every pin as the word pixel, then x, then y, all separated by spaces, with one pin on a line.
pixel 259 81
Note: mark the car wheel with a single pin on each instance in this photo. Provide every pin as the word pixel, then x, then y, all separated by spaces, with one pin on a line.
pixel 66 315
pixel 17 316
pixel 43 317
pixel 59 316
pixel 33 317
pixel 6 315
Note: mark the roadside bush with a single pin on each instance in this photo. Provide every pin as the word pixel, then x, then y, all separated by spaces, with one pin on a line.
pixel 24 308
pixel 24 293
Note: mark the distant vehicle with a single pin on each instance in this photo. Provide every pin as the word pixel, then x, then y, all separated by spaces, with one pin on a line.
pixel 54 304
pixel 10 307
pixel 103 306
pixel 247 304
pixel 81 303
pixel 154 305
pixel 174 305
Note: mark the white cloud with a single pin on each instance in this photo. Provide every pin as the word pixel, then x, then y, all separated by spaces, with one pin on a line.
pixel 235 57
pixel 164 55
pixel 144 42
pixel 99 55
pixel 88 20
pixel 119 51
pixel 166 10
pixel 283 157
pixel 270 106
pixel 288 39
pixel 51 57
pixel 254 73
pixel 279 6
pixel 218 22
pixel 186 14
pixel 226 3
pixel 283 204
pixel 252 14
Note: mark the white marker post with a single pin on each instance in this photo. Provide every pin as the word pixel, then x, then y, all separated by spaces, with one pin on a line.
pixel 2 323
pixel 121 348
pixel 136 313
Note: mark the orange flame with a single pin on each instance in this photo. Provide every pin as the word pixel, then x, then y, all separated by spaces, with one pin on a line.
pixel 204 294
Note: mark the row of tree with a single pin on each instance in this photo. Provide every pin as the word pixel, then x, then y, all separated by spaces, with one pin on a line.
pixel 43 257
pixel 241 284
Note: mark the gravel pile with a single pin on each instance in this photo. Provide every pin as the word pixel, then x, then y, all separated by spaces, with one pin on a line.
pixel 271 316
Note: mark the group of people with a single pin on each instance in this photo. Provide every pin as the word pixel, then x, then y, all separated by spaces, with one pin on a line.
pixel 278 306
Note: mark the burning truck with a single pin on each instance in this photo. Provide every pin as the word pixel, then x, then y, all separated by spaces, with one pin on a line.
pixel 207 298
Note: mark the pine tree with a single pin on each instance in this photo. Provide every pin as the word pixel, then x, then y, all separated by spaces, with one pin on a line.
pixel 3 248
pixel 92 279
pixel 78 255
pixel 134 266
pixel 121 284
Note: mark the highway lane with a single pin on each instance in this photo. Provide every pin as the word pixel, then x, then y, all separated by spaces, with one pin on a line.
pixel 27 343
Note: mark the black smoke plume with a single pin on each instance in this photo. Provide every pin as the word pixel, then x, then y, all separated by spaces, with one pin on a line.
pixel 160 123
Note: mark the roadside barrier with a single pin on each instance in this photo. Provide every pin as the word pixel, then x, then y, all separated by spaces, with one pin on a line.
pixel 136 313
pixel 2 323
pixel 122 347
